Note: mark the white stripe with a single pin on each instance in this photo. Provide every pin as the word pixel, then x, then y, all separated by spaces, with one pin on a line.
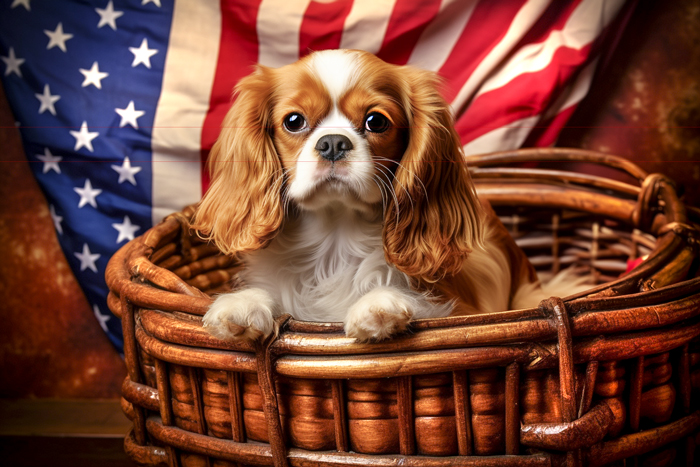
pixel 440 36
pixel 523 21
pixel 278 26
pixel 366 24
pixel 183 104
pixel 586 23
pixel 505 138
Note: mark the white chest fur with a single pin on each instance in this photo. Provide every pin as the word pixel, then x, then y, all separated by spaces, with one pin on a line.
pixel 321 263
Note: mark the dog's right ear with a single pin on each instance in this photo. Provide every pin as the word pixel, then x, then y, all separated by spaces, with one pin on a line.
pixel 242 210
pixel 434 220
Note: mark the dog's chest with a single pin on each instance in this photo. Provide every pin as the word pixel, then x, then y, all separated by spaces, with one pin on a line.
pixel 316 271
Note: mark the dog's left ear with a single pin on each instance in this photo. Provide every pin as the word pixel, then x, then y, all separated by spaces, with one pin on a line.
pixel 434 221
pixel 242 210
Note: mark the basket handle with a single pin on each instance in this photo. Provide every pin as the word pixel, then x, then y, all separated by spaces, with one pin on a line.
pixel 581 433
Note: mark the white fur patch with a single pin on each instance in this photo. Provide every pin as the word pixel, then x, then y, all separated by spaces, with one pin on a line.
pixel 246 312
pixel 322 264
pixel 337 70
pixel 379 314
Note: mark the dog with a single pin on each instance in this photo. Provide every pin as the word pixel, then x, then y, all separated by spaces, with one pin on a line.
pixel 341 184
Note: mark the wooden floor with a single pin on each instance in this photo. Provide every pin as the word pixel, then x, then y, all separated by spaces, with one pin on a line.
pixel 57 433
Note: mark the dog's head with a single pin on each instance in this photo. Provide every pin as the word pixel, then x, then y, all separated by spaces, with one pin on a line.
pixel 344 128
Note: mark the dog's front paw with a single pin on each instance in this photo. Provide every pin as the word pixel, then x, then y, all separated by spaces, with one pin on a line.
pixel 246 314
pixel 379 314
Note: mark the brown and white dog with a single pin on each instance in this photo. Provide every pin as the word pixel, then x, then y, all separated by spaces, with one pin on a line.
pixel 340 182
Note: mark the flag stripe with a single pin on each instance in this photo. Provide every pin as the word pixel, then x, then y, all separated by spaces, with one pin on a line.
pixel 238 51
pixel 524 96
pixel 278 28
pixel 365 26
pixel 545 133
pixel 519 15
pixel 439 38
pixel 548 67
pixel 581 28
pixel 408 21
pixel 322 26
pixel 182 107
pixel 503 138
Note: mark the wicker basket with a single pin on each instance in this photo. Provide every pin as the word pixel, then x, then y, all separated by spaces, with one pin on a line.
pixel 598 377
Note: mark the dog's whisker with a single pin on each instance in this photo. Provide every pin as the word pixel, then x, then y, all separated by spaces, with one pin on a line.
pixel 387 173
pixel 410 172
pixel 382 192
pixel 285 191
pixel 390 190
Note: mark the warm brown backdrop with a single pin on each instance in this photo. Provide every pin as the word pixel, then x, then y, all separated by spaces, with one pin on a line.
pixel 50 342
pixel 646 107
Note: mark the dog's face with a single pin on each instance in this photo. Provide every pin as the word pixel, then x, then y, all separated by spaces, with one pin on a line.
pixel 344 127
pixel 339 128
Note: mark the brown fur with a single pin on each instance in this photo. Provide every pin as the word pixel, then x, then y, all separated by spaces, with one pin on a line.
pixel 242 210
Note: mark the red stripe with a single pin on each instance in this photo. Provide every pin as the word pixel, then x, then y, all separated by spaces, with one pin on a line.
pixel 408 20
pixel 547 132
pixel 322 27
pixel 238 52
pixel 524 96
pixel 486 27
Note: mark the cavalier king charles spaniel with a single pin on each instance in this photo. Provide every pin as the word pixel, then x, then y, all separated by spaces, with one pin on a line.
pixel 341 184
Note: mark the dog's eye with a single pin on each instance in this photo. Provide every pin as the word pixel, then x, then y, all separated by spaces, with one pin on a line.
pixel 295 123
pixel 377 123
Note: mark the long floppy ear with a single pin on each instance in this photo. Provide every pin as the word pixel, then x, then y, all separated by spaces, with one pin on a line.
pixel 434 222
pixel 242 210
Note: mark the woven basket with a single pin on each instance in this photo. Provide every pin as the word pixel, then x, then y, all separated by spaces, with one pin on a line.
pixel 598 377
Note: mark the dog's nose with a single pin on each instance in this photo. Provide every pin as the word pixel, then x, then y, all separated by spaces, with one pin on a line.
pixel 333 147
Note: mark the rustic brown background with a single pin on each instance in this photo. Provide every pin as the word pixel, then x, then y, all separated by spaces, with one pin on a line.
pixel 646 104
pixel 50 342
pixel 646 107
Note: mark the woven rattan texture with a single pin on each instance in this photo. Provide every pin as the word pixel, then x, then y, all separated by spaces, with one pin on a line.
pixel 590 379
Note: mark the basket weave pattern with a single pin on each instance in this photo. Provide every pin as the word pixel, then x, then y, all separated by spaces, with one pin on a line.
pixel 601 376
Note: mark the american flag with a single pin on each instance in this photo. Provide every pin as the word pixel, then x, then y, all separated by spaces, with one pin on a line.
pixel 118 101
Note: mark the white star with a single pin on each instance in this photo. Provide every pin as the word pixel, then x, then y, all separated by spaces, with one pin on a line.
pixel 142 54
pixel 126 230
pixel 129 115
pixel 56 220
pixel 126 171
pixel 93 76
pixel 87 194
pixel 12 63
pixel 50 161
pixel 57 38
pixel 108 16
pixel 83 138
pixel 24 3
pixel 47 100
pixel 100 317
pixel 87 259
pixel 157 2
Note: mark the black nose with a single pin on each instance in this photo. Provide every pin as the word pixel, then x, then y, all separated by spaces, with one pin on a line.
pixel 333 147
